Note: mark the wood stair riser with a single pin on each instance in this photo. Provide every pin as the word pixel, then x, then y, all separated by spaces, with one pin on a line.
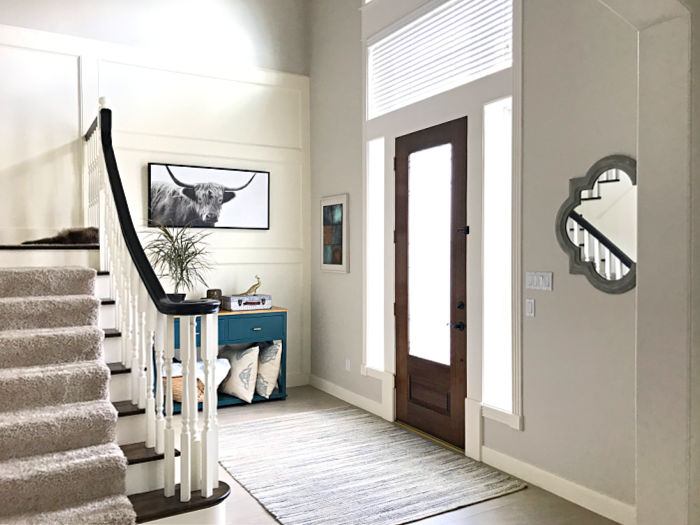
pixel 119 387
pixel 145 477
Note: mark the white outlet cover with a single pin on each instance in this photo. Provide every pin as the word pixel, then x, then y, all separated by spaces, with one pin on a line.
pixel 538 281
pixel 529 308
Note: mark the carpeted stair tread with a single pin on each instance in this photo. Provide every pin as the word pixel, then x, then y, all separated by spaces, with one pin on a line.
pixel 44 346
pixel 60 280
pixel 34 387
pixel 19 313
pixel 49 481
pixel 116 510
pixel 34 432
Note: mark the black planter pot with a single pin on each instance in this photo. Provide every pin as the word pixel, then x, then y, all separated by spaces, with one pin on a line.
pixel 177 297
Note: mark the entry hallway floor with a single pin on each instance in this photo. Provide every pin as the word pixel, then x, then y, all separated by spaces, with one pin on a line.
pixel 532 506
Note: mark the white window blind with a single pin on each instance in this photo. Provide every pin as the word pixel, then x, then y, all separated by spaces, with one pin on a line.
pixel 454 44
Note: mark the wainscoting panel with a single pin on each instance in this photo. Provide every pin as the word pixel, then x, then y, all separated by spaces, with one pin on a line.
pixel 180 104
pixel 39 143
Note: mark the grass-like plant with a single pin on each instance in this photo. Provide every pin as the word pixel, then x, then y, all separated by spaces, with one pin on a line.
pixel 179 253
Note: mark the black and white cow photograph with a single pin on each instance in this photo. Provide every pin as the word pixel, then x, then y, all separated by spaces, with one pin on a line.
pixel 202 197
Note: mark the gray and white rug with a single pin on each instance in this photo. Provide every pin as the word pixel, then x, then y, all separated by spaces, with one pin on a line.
pixel 346 466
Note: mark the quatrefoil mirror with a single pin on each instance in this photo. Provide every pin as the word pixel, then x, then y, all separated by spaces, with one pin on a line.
pixel 597 224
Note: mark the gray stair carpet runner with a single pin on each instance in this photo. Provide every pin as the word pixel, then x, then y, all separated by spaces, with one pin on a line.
pixel 59 462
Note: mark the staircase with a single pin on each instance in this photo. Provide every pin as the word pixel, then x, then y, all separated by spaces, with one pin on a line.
pixel 59 460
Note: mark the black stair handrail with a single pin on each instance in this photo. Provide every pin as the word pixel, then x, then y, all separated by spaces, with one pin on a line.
pixel 596 233
pixel 148 277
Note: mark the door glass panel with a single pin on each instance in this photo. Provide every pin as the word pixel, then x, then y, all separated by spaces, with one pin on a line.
pixel 429 236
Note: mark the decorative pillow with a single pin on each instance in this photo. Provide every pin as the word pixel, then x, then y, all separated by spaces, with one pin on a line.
pixel 244 369
pixel 269 361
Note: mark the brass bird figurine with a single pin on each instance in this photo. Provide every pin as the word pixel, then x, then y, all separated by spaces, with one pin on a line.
pixel 254 288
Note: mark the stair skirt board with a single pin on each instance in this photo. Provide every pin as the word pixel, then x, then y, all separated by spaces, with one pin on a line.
pixel 57 424
pixel 41 257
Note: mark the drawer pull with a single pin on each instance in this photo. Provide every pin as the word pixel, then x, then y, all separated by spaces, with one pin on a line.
pixel 256 329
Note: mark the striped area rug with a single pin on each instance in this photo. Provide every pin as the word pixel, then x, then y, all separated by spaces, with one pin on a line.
pixel 346 466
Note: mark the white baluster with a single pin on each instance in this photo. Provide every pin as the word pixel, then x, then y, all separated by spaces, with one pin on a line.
pixel 586 246
pixel 607 263
pixel 187 350
pixel 159 345
pixel 618 268
pixel 134 342
pixel 169 434
pixel 596 254
pixel 143 340
pixel 576 229
pixel 196 447
pixel 210 434
pixel 150 398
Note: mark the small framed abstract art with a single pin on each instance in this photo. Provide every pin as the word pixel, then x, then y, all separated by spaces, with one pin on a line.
pixel 334 233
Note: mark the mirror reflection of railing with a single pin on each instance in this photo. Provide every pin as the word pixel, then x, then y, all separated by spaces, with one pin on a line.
pixel 610 262
pixel 597 224
pixel 145 316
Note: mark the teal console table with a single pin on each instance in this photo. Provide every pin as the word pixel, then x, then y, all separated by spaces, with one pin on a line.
pixel 250 326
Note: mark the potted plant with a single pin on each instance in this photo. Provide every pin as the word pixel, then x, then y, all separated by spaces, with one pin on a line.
pixel 178 253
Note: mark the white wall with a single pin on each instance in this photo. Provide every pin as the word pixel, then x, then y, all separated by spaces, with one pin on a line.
pixel 40 120
pixel 171 110
pixel 266 33
pixel 336 167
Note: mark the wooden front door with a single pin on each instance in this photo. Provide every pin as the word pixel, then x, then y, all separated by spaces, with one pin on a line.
pixel 430 288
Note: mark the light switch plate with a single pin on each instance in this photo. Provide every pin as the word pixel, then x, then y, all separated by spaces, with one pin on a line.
pixel 538 281
pixel 529 308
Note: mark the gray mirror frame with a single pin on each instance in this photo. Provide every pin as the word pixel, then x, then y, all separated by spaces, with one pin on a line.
pixel 576 185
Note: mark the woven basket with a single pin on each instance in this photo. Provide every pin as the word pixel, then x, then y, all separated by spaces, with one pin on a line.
pixel 177 389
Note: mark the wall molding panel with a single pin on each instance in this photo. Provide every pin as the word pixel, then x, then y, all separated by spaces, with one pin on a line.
pixel 169 108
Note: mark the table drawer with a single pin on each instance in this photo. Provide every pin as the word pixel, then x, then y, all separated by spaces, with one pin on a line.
pixel 251 327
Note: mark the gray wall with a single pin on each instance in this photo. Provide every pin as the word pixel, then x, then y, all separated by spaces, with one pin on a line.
pixel 579 351
pixel 336 167
pixel 694 499
pixel 272 33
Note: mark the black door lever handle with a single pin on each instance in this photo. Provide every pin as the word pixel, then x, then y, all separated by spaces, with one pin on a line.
pixel 459 326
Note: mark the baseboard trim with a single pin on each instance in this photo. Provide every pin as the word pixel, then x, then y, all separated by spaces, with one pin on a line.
pixel 595 501
pixel 352 398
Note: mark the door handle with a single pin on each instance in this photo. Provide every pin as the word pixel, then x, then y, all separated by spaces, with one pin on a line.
pixel 459 326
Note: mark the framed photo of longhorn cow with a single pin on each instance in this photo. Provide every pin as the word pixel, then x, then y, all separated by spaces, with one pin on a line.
pixel 204 197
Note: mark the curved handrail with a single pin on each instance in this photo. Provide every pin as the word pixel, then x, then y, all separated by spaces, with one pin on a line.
pixel 155 290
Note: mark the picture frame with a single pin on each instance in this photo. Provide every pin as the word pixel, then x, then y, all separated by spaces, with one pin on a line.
pixel 208 197
pixel 334 234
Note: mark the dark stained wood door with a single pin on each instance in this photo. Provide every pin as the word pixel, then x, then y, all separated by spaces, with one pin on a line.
pixel 430 287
